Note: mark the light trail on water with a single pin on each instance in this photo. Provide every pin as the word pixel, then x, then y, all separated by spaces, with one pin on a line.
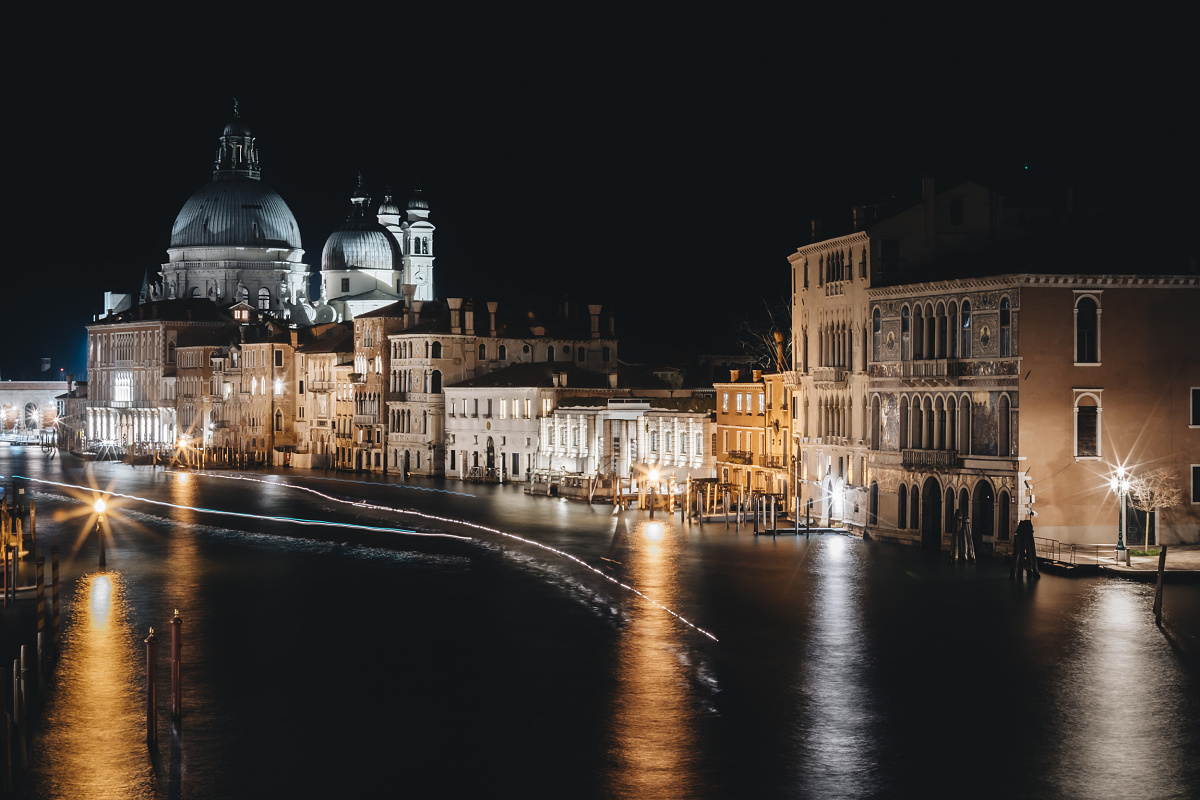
pixel 375 507
pixel 243 515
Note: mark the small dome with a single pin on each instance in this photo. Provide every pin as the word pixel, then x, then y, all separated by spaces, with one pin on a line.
pixel 235 212
pixel 237 127
pixel 361 244
pixel 418 202
pixel 388 206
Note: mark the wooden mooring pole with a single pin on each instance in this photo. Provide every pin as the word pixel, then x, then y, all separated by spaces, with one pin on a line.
pixel 151 687
pixel 1158 588
pixel 176 665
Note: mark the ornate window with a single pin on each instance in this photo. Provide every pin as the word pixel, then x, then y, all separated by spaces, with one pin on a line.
pixel 1005 327
pixel 1087 328
pixel 876 334
pixel 264 299
pixel 965 349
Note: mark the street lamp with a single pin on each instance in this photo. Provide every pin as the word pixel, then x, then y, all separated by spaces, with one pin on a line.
pixel 1120 487
pixel 99 506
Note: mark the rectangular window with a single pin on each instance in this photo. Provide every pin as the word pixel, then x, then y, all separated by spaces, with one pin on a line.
pixel 1195 483
pixel 301 387
pixel 528 403
pixel 504 409
pixel 739 402
pixel 279 358
pixel 760 402
pixel 1195 423
pixel 345 284
pixel 725 402
pixel 739 440
pixel 725 441
pixel 489 407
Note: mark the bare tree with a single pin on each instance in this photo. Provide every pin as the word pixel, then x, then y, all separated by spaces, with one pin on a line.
pixel 1154 491
pixel 767 340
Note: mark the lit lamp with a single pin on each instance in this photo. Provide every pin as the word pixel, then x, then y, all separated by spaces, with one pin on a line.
pixel 99 506
pixel 1120 487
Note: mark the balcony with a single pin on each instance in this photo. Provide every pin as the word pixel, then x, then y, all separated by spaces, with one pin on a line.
pixel 829 375
pixel 366 419
pixel 774 462
pixel 741 457
pixel 929 458
pixel 358 377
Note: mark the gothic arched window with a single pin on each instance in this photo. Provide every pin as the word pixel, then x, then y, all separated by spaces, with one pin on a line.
pixel 1087 330
pixel 1005 327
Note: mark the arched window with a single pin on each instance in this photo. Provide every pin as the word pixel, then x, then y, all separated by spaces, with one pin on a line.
pixel 876 334
pixel 1003 440
pixel 278 420
pixel 483 352
pixel 914 508
pixel 1087 424
pixel 965 348
pixel 264 299
pixel 502 353
pixel 952 331
pixel 435 382
pixel 903 422
pixel 550 353
pixel 1005 327
pixel 905 335
pixel 195 291
pixel 436 350
pixel 902 507
pixel 1087 330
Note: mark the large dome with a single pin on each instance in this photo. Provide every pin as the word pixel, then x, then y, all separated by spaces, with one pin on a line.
pixel 235 212
pixel 361 244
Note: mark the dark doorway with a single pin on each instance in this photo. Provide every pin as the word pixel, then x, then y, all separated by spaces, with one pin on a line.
pixel 491 454
pixel 931 515
pixel 985 506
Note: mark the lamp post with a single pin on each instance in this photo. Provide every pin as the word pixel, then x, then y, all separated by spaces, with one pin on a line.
pixel 99 507
pixel 1120 487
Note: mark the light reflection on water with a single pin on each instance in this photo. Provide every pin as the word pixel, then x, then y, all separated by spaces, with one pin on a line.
pixel 837 717
pixel 92 744
pixel 654 708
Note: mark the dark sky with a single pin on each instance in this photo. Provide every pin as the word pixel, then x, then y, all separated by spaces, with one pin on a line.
pixel 664 164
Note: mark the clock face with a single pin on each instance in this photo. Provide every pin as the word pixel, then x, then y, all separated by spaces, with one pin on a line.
pixel 420 277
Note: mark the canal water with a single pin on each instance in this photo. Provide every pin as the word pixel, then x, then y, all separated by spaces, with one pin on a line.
pixel 350 658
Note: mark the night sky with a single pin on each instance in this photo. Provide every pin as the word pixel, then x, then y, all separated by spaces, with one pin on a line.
pixel 663 164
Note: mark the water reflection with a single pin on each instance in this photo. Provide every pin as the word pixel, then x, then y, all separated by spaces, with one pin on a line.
pixel 1118 703
pixel 93 743
pixel 653 715
pixel 838 719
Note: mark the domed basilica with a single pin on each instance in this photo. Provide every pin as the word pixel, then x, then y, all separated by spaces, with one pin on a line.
pixel 236 241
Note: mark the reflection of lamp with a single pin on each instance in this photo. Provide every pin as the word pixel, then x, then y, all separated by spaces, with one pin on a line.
pixel 99 506
pixel 1120 487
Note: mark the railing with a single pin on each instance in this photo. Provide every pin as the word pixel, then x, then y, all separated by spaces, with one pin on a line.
pixel 929 458
pixel 483 474
pixel 745 457
pixel 774 462
pixel 1076 555
pixel 365 419
pixel 830 374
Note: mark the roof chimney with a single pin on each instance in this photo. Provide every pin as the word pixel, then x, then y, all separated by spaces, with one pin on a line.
pixel 409 290
pixel 594 311
pixel 757 375
pixel 469 324
pixel 612 380
pixel 928 193
pixel 492 306
pixel 417 306
pixel 455 304
pixel 733 375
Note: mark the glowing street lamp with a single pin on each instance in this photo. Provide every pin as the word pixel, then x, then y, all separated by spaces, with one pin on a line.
pixel 99 506
pixel 1120 487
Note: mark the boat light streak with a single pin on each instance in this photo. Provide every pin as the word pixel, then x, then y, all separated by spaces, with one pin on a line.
pixel 373 507
pixel 296 520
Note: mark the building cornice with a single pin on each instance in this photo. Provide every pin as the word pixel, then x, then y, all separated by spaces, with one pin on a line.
pixel 831 244
pixel 1034 279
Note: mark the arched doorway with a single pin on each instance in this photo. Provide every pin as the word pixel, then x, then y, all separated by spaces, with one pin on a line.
pixel 948 517
pixel 407 456
pixel 491 453
pixel 931 515
pixel 984 508
pixel 1003 523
